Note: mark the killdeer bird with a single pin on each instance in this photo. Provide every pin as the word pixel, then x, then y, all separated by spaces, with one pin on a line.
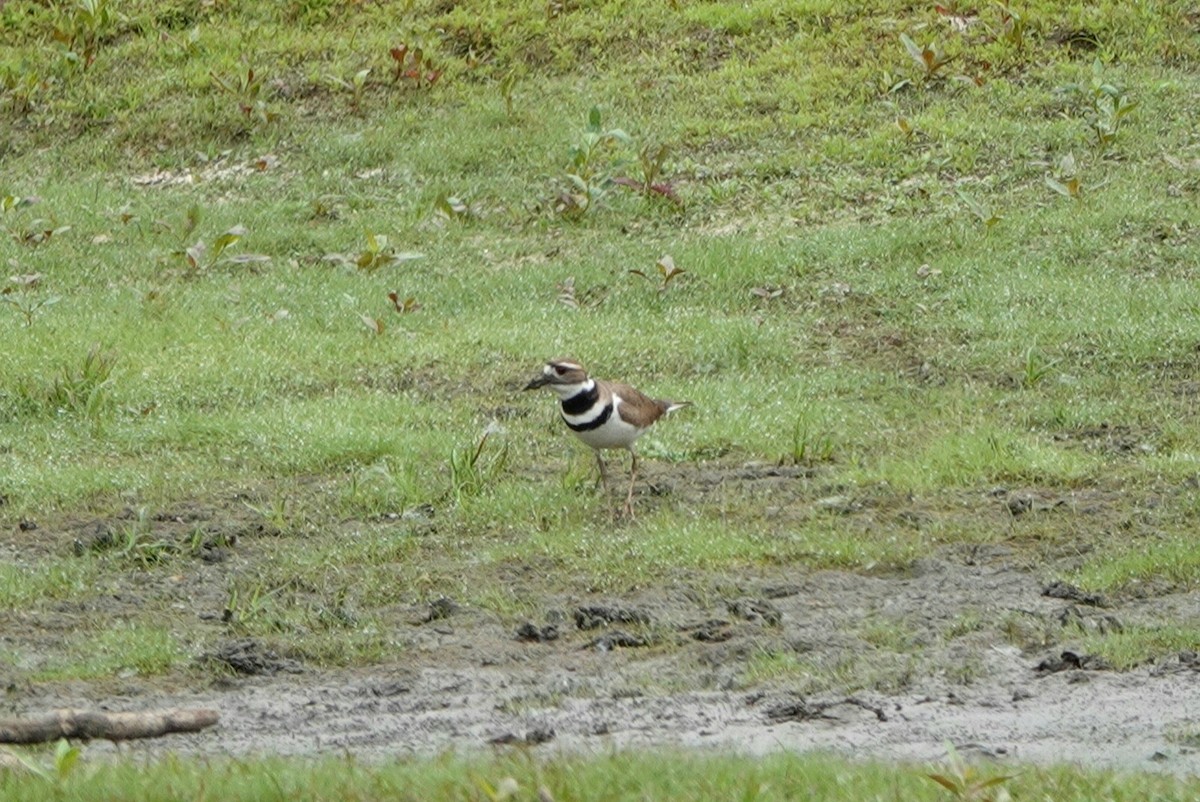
pixel 603 414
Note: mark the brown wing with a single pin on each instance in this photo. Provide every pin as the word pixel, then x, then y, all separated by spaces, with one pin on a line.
pixel 637 408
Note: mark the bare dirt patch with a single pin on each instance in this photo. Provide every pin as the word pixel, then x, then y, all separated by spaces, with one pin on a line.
pixel 977 645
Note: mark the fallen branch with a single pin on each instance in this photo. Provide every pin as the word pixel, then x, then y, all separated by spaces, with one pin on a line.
pixel 110 726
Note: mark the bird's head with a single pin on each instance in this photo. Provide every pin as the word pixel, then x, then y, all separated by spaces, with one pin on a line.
pixel 565 377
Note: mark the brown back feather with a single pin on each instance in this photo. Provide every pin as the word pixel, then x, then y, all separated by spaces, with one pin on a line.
pixel 637 408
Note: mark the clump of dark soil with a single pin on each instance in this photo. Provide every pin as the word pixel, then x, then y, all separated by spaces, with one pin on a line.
pixel 601 615
pixel 249 656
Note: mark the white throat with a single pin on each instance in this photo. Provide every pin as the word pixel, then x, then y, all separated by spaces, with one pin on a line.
pixel 565 391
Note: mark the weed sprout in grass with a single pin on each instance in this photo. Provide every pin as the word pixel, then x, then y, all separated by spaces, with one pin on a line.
pixel 1106 105
pixel 23 88
pixel 21 294
pixel 82 390
pixel 82 26
pixel 967 783
pixel 247 91
pixel 355 86
pixel 1067 182
pixel 651 160
pixel 983 213
pixel 929 58
pixel 810 442
pixel 470 473
pixel 411 65
pixel 451 207
pixel 667 272
pixel 200 256
pixel 377 254
pixel 63 763
pixel 1037 367
pixel 592 166
pixel 23 230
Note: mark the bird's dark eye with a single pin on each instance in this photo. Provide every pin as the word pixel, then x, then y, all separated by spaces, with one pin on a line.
pixel 559 369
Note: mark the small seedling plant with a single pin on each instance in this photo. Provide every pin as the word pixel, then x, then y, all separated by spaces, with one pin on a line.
pixel 404 306
pixel 34 232
pixel 1037 367
pixel 247 91
pixel 966 783
pixel 452 207
pixel 202 256
pixel 401 306
pixel 1067 182
pixel 82 26
pixel 1107 105
pixel 412 66
pixel 1012 26
pixel 374 325
pixel 377 254
pixel 592 163
pixel 651 159
pixel 64 762
pixel 667 272
pixel 354 86
pixel 10 203
pixel 928 58
pixel 985 214
pixel 21 294
pixel 809 444
pixel 81 390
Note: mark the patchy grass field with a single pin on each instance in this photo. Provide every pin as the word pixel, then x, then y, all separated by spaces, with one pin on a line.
pixel 273 283
pixel 613 777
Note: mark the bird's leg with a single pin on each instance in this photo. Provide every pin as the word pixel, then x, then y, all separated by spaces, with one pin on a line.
pixel 632 480
pixel 603 472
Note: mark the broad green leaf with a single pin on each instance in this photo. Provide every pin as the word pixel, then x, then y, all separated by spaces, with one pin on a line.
pixel 65 756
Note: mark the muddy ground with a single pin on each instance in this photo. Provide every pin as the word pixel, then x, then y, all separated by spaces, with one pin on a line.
pixel 975 646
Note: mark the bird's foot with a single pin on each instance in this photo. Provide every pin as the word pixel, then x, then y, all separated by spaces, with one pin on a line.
pixel 626 513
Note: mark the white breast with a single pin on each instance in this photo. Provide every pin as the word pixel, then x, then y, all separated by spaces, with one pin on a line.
pixel 615 433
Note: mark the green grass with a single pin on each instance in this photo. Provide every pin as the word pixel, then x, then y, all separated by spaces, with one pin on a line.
pixel 50 579
pixel 914 356
pixel 616 776
pixel 1133 644
pixel 120 650
pixel 1169 559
